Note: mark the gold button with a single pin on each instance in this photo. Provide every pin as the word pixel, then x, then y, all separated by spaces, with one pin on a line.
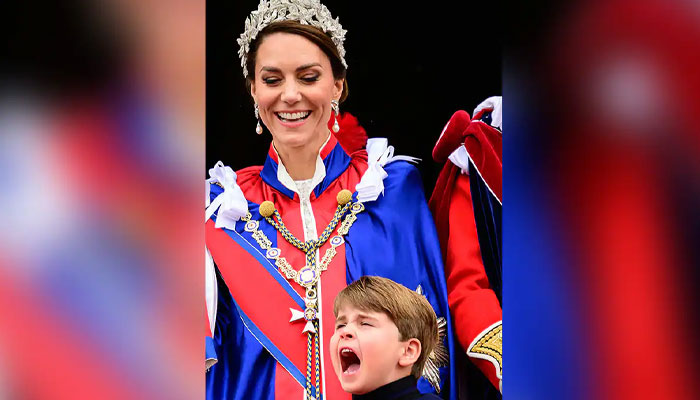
pixel 267 208
pixel 344 197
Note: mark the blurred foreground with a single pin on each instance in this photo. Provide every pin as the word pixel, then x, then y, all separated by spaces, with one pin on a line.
pixel 602 187
pixel 101 153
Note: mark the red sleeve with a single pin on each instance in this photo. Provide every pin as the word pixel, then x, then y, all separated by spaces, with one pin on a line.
pixel 475 307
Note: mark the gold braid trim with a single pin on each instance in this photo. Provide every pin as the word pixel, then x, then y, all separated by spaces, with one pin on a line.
pixel 488 345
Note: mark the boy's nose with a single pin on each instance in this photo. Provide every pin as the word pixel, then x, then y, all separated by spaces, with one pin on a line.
pixel 346 334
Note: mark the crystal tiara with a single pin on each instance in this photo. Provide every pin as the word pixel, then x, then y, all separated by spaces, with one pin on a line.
pixel 307 12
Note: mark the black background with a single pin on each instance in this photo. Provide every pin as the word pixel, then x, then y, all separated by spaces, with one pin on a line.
pixel 411 66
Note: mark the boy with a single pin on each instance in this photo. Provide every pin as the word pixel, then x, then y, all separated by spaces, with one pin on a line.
pixel 383 335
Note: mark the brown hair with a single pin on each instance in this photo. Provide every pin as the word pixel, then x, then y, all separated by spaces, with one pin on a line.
pixel 410 311
pixel 315 35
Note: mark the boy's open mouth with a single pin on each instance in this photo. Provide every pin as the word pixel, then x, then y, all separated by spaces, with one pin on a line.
pixel 349 361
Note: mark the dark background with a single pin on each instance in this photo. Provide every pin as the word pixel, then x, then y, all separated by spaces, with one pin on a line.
pixel 411 66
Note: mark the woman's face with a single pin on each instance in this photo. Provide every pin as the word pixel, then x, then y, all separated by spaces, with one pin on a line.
pixel 293 87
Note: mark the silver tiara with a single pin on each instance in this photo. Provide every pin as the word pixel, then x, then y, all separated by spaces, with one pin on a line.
pixel 307 12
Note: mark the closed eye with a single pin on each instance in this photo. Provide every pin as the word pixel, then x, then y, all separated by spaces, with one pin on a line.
pixel 339 326
pixel 271 81
pixel 310 79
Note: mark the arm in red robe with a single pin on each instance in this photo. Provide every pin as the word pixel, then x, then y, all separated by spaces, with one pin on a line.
pixel 472 300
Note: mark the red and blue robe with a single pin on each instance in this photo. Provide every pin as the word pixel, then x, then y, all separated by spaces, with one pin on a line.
pixel 259 353
pixel 466 204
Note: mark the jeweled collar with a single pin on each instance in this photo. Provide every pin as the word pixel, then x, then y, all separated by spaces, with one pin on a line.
pixel 335 161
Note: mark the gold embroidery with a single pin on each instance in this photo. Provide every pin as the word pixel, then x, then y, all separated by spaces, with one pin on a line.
pixel 489 346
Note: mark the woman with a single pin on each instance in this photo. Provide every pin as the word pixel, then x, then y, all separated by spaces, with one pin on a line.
pixel 324 209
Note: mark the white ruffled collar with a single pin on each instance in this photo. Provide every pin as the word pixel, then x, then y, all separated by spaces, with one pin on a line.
pixel 232 204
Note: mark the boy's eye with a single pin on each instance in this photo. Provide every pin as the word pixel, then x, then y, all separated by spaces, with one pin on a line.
pixel 339 326
pixel 366 324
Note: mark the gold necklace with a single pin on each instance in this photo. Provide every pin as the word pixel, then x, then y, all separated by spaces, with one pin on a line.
pixel 309 275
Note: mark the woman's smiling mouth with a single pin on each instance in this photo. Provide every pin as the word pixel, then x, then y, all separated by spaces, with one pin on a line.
pixel 293 116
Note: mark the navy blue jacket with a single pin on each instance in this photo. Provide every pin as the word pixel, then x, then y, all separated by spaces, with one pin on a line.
pixel 402 389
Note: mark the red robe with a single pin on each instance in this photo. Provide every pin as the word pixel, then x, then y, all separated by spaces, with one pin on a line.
pixel 475 307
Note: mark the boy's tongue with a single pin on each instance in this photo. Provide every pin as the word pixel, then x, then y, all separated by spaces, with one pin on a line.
pixel 352 369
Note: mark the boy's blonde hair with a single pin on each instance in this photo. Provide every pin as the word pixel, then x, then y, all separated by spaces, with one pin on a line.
pixel 410 311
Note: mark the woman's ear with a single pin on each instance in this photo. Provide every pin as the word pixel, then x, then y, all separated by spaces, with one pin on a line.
pixel 338 88
pixel 252 91
pixel 412 350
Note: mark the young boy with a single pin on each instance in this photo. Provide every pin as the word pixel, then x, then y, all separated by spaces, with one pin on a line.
pixel 383 335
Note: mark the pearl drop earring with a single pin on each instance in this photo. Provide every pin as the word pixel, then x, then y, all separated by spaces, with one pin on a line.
pixel 336 110
pixel 258 129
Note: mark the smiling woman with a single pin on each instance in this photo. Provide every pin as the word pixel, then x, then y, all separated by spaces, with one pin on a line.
pixel 293 84
pixel 327 206
pixel 406 73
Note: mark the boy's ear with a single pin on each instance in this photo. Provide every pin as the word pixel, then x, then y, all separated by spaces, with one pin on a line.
pixel 412 350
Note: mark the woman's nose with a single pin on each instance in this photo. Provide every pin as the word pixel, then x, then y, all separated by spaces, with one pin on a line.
pixel 290 93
